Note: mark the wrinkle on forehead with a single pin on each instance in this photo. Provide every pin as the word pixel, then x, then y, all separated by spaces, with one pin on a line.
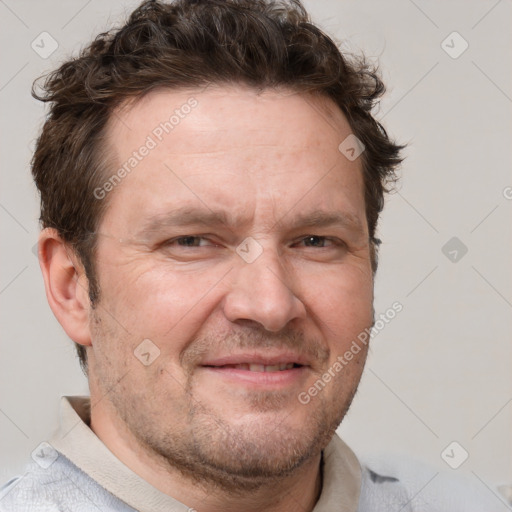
pixel 216 101
pixel 269 153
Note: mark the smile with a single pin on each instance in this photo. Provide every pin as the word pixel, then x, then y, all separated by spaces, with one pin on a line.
pixel 252 367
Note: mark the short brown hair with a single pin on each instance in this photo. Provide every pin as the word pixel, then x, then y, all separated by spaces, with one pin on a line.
pixel 191 43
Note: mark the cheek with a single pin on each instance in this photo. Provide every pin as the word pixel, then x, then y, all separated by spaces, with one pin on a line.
pixel 160 302
pixel 342 299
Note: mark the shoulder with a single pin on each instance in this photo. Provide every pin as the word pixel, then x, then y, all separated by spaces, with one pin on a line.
pixel 54 484
pixel 382 491
pixel 397 481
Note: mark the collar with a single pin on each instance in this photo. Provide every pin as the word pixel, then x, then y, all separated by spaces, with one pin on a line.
pixel 76 441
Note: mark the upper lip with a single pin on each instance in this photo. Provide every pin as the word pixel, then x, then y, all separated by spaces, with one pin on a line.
pixel 255 358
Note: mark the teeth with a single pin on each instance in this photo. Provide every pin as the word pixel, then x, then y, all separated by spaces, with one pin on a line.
pixel 264 368
pixel 256 367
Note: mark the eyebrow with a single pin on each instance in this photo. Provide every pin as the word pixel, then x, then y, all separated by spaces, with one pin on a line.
pixel 187 216
pixel 321 218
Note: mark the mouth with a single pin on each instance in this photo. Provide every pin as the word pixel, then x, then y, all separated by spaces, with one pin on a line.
pixel 259 371
pixel 254 367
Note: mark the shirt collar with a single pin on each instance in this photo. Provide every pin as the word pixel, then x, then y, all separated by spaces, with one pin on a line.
pixel 75 440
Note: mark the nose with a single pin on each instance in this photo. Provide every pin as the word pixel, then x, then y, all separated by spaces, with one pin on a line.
pixel 262 292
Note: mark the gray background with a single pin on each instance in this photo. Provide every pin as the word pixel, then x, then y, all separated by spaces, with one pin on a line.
pixel 440 371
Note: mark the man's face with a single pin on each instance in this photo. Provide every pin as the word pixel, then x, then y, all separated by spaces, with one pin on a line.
pixel 238 244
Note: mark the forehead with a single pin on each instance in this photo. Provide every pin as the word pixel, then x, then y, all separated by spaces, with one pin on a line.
pixel 232 147
pixel 310 119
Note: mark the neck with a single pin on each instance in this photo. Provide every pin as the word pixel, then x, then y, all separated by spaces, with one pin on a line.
pixel 297 491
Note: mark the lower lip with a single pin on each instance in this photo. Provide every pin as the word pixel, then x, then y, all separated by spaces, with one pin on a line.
pixel 282 378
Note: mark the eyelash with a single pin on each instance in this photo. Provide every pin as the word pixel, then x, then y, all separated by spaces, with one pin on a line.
pixel 334 241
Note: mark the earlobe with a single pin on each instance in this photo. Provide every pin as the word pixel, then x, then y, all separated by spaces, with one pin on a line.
pixel 66 285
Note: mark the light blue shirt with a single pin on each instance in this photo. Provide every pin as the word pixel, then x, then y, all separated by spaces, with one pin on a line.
pixel 74 472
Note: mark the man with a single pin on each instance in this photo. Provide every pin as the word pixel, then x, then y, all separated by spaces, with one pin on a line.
pixel 211 179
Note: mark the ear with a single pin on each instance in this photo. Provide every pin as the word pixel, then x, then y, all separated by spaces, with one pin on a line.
pixel 66 285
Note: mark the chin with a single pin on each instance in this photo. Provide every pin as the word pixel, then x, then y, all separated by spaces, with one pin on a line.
pixel 250 453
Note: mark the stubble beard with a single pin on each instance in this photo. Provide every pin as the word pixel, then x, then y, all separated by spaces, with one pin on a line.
pixel 214 452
